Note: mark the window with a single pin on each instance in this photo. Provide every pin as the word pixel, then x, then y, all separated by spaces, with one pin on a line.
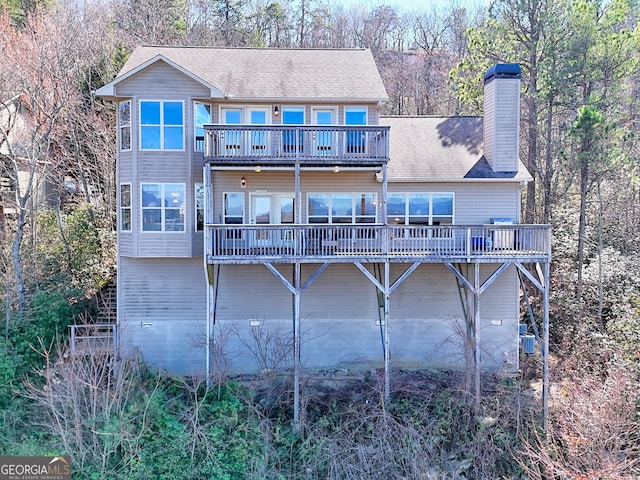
pixel 324 140
pixel 199 206
pixel 234 208
pixel 292 143
pixel 420 208
pixel 161 125
pixel 341 207
pixel 202 113
pixel 125 207
pixel 124 124
pixel 248 142
pixel 356 140
pixel 162 207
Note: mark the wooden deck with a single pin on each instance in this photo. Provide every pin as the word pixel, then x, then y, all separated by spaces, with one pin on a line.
pixel 379 243
pixel 288 144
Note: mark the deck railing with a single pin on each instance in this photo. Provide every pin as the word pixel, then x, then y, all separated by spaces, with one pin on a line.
pixel 436 243
pixel 320 144
pixel 90 339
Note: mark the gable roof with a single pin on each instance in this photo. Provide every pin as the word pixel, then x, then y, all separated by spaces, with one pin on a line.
pixel 268 73
pixel 441 149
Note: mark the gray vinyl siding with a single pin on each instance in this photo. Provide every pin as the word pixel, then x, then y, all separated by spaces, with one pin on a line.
pixel 501 124
pixel 283 182
pixel 475 203
pixel 169 296
pixel 157 81
pixel 339 313
pixel 185 167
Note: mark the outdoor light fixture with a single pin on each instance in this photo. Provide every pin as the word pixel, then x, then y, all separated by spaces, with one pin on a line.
pixel 258 169
pixel 276 111
pixel 243 182
pixel 336 169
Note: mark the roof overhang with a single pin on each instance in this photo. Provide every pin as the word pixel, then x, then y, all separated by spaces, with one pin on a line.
pixel 109 90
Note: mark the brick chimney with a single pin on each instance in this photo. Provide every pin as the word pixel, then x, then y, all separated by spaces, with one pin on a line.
pixel 502 117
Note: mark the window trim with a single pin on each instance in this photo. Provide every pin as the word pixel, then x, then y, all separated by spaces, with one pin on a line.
pixel 358 147
pixel 196 125
pixel 407 215
pixel 124 126
pixel 122 208
pixel 354 215
pixel 163 209
pixel 162 126
pixel 198 195
pixel 224 207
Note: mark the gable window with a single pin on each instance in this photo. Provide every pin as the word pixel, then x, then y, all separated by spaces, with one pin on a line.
pixel 199 206
pixel 162 207
pixel 356 140
pixel 161 125
pixel 202 114
pixel 124 125
pixel 125 207
pixel 420 208
pixel 341 207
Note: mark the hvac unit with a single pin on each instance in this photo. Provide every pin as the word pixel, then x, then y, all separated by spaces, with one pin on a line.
pixel 528 343
pixel 502 238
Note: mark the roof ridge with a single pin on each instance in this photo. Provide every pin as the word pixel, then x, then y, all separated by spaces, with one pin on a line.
pixel 297 49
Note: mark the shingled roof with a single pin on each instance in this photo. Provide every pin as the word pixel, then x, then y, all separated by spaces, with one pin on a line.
pixel 441 149
pixel 272 73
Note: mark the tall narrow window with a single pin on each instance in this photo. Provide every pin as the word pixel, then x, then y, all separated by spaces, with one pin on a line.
pixel 356 140
pixel 292 143
pixel 199 199
pixel 202 114
pixel 162 207
pixel 324 140
pixel 124 123
pixel 161 125
pixel 234 208
pixel 125 207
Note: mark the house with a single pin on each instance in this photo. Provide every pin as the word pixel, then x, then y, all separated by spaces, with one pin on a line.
pixel 270 217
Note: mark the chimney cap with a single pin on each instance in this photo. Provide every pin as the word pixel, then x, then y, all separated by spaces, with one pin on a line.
pixel 503 70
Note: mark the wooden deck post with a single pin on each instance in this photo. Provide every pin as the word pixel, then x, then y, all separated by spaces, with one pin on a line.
pixel 296 347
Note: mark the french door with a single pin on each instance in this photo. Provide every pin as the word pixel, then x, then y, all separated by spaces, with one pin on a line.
pixel 272 209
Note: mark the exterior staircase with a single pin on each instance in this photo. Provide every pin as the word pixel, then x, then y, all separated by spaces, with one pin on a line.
pixel 98 335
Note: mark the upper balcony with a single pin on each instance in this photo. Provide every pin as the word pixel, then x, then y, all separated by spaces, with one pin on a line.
pixel 286 145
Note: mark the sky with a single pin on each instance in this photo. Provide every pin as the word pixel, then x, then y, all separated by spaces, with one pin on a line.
pixel 407 6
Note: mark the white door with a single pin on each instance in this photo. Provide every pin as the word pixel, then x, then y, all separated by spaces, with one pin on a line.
pixel 272 209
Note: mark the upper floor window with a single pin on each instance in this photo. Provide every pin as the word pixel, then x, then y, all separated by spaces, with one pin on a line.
pixel 125 207
pixel 162 207
pixel 161 125
pixel 356 140
pixel 124 125
pixel 202 114
pixel 342 207
pixel 420 208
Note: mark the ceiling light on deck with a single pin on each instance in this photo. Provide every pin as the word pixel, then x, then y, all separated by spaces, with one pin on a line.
pixel 336 169
pixel 258 169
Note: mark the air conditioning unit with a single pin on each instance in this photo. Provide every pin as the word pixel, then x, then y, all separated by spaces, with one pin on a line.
pixel 528 343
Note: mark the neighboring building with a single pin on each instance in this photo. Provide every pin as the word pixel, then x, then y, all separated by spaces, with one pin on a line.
pixel 261 193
